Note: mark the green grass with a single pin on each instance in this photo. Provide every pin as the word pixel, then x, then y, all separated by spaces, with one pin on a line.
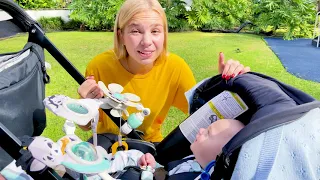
pixel 200 50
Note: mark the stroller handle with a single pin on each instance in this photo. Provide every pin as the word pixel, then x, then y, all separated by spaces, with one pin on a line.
pixel 20 17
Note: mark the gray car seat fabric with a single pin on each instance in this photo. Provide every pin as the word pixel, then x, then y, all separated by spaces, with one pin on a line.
pixel 262 94
pixel 291 151
pixel 270 103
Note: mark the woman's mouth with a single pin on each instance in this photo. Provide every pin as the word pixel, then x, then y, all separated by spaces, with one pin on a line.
pixel 145 54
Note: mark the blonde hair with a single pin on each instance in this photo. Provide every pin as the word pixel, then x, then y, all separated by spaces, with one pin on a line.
pixel 130 8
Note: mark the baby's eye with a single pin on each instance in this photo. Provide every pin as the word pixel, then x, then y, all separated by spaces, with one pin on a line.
pixel 207 132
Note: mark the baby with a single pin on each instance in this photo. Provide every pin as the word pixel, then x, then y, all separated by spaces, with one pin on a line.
pixel 208 144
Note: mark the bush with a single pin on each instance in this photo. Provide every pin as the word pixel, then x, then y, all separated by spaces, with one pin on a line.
pixel 97 14
pixel 100 14
pixel 211 15
pixel 63 3
pixel 176 14
pixel 37 4
pixel 72 25
pixel 51 24
pixel 296 17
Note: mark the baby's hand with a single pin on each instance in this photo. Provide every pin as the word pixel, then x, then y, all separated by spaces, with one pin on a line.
pixel 147 160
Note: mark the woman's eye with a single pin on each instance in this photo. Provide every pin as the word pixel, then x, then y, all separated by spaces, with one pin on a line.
pixel 134 31
pixel 155 31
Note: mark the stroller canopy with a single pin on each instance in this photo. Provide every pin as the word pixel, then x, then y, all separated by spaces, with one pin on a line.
pixel 16 20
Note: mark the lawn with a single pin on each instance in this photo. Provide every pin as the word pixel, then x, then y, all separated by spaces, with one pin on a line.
pixel 200 50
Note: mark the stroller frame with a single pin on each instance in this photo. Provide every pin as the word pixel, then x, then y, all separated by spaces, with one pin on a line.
pixel 225 161
pixel 21 19
pixel 37 35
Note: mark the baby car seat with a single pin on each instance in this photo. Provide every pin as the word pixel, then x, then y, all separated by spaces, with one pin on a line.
pixel 271 104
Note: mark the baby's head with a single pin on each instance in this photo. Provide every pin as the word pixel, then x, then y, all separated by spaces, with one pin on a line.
pixel 209 142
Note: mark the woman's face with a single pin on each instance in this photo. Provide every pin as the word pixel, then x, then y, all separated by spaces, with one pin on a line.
pixel 143 37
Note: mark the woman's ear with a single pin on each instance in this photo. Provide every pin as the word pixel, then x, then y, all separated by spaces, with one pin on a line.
pixel 120 35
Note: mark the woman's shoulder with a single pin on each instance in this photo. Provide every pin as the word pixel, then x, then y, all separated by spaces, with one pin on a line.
pixel 174 57
pixel 107 57
pixel 175 60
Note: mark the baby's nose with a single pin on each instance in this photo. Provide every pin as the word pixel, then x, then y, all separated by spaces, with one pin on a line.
pixel 201 130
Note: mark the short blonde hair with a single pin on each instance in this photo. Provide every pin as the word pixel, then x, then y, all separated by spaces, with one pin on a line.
pixel 130 8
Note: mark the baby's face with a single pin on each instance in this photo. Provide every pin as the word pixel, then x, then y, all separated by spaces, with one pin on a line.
pixel 209 142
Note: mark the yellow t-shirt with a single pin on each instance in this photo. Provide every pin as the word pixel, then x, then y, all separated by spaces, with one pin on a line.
pixel 159 89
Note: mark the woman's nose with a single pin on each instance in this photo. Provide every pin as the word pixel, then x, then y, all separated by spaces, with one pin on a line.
pixel 146 40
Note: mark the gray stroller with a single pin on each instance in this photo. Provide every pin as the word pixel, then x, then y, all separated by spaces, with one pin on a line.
pixel 273 107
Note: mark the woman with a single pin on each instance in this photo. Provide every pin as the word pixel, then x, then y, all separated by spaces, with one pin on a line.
pixel 141 63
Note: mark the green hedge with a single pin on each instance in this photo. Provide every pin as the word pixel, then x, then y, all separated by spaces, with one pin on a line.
pixel 57 24
pixel 42 4
pixel 294 18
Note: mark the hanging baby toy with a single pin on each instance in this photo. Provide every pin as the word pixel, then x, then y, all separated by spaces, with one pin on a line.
pixel 77 155
pixel 118 103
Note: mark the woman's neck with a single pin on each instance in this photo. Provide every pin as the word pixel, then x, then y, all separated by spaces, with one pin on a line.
pixel 135 68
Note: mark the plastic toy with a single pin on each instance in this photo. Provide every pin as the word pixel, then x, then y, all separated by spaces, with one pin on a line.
pixel 82 111
pixel 78 156
pixel 70 151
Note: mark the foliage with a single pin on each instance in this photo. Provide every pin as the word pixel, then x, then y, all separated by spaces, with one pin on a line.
pixel 295 16
pixel 97 14
pixel 72 25
pixel 63 3
pixel 176 14
pixel 51 24
pixel 219 14
pixel 36 4
pixel 57 24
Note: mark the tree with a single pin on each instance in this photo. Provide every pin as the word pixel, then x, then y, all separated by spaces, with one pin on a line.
pixel 219 14
pixel 295 17
pixel 176 14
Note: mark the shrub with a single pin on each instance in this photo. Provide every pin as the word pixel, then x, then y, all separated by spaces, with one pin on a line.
pixel 296 17
pixel 176 14
pixel 37 4
pixel 51 24
pixel 219 14
pixel 97 14
pixel 72 25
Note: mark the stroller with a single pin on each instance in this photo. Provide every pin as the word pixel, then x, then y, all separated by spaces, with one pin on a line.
pixel 272 105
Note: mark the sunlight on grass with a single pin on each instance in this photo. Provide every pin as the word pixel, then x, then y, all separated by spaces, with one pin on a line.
pixel 200 50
